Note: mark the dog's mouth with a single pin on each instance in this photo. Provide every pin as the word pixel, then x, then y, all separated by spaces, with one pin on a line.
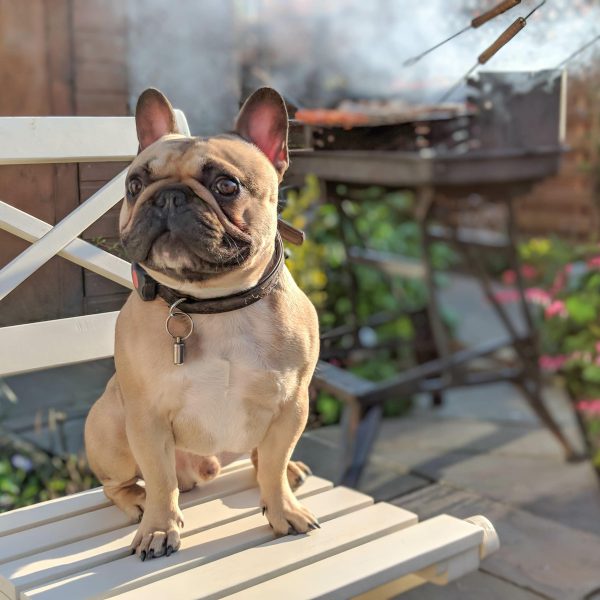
pixel 188 244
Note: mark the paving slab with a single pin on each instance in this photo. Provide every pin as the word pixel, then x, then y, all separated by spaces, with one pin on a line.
pixel 383 479
pixel 475 586
pixel 536 554
pixel 69 388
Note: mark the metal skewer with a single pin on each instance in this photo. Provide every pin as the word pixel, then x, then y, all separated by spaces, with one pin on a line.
pixel 475 23
pixel 508 34
pixel 578 52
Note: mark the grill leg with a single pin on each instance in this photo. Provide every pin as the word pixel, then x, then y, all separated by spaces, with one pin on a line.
pixel 360 431
pixel 532 386
pixel 425 206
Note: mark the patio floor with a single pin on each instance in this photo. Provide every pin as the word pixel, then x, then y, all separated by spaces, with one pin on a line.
pixel 463 460
pixel 484 452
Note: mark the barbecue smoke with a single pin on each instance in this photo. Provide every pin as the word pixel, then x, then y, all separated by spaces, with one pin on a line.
pixel 319 53
pixel 208 55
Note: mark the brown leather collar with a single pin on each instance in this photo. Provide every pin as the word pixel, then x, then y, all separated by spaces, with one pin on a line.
pixel 148 289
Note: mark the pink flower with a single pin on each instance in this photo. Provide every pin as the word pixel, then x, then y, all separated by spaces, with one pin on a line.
pixel 594 262
pixel 529 271
pixel 552 364
pixel 509 277
pixel 556 308
pixel 506 296
pixel 559 282
pixel 538 296
pixel 591 407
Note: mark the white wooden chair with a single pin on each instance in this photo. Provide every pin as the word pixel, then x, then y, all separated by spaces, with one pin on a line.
pixel 77 546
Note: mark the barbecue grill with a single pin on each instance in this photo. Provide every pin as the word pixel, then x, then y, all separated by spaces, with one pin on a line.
pixel 507 137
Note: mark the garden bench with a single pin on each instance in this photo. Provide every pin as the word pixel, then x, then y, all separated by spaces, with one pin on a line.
pixel 77 546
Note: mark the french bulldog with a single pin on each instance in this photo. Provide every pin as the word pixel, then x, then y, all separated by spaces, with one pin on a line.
pixel 200 219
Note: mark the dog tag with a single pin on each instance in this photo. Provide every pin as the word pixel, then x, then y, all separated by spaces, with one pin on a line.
pixel 178 351
pixel 178 340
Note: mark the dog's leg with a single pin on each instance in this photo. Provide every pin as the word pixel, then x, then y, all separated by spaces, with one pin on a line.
pixel 284 512
pixel 153 445
pixel 297 471
pixel 109 455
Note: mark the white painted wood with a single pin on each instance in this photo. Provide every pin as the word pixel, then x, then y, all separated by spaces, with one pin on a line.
pixel 31 140
pixel 376 563
pixel 56 563
pixel 78 251
pixel 49 344
pixel 51 510
pixel 31 259
pixel 72 529
pixel 228 540
pixel 257 564
pixel 491 541
pixel 75 504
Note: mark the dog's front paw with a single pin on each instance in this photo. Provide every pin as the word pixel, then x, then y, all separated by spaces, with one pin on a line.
pixel 287 516
pixel 157 536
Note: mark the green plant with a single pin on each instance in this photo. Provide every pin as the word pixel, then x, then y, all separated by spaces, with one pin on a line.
pixel 380 220
pixel 564 292
pixel 29 475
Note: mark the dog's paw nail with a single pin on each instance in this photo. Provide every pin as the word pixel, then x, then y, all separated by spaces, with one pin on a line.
pixel 316 525
pixel 151 553
pixel 308 471
pixel 132 551
pixel 143 555
pixel 264 510
pixel 169 550
pixel 292 530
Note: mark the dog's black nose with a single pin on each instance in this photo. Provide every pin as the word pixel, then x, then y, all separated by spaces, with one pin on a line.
pixel 170 198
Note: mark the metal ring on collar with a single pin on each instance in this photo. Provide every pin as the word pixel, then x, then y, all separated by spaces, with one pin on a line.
pixel 174 315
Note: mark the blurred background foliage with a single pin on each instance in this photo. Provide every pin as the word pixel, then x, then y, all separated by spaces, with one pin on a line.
pixel 381 220
pixel 563 290
pixel 29 475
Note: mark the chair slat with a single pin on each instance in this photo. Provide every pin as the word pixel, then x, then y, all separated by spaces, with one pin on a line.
pixel 60 562
pixel 375 563
pixel 66 139
pixel 39 253
pixel 110 518
pixel 35 515
pixel 34 346
pixel 35 140
pixel 204 547
pixel 276 557
pixel 51 510
pixel 78 251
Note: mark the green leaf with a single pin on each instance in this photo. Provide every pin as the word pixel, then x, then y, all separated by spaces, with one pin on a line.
pixel 329 409
pixel 581 309
pixel 591 373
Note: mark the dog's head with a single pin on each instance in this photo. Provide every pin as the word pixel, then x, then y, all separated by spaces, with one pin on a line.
pixel 196 208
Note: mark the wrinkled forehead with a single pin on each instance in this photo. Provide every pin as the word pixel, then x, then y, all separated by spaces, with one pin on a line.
pixel 182 157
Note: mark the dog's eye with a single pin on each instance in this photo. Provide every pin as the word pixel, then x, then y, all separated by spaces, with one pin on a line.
pixel 226 186
pixel 134 186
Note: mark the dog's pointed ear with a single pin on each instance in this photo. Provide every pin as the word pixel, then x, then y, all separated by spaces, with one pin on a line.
pixel 154 117
pixel 263 120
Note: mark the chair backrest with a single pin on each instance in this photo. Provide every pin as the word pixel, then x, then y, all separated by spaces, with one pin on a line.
pixel 35 140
